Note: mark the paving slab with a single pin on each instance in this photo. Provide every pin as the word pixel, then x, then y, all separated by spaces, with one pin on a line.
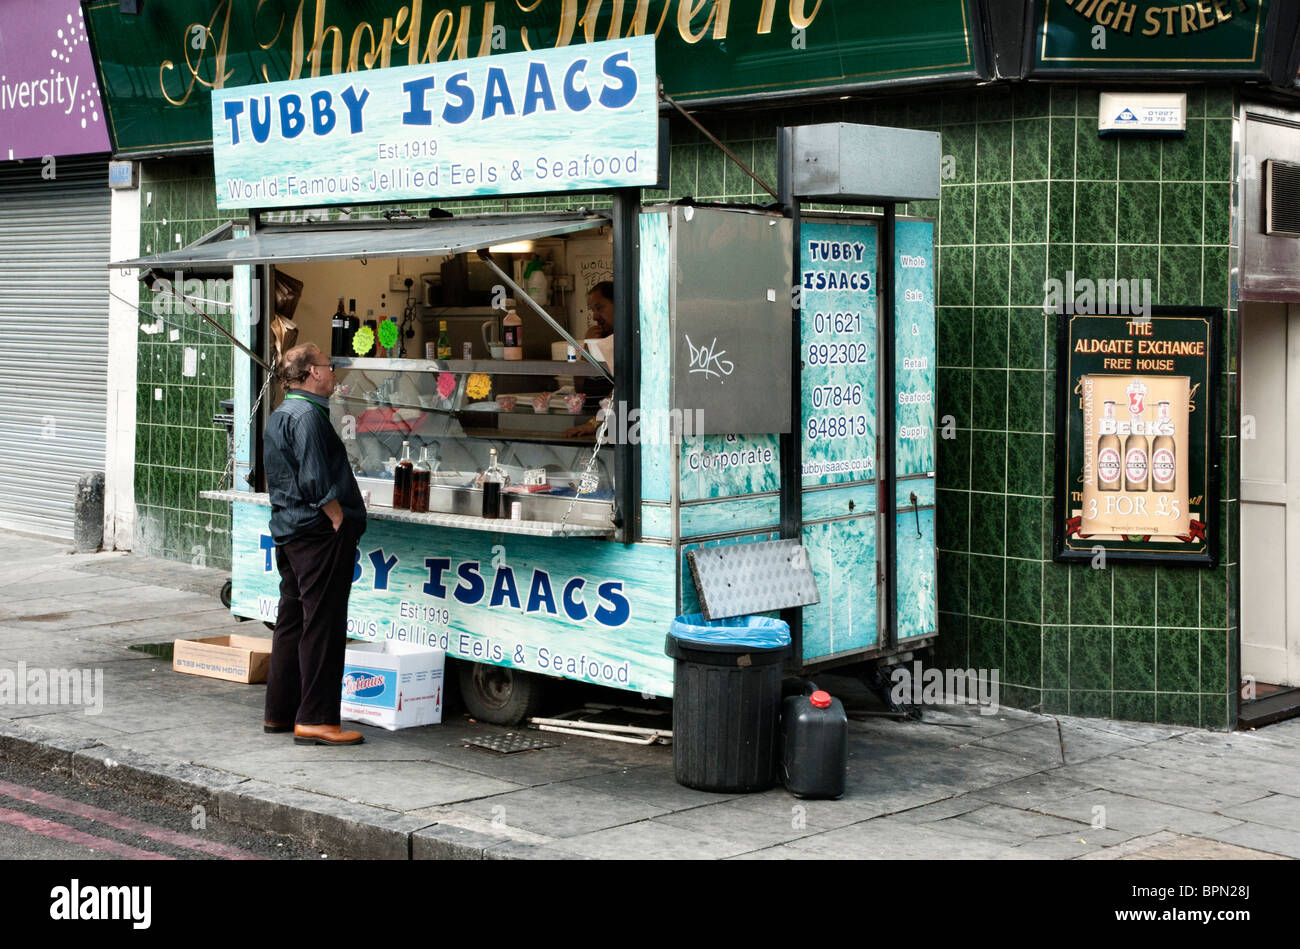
pixel 1135 814
pixel 888 838
pixel 558 810
pixel 1276 810
pixel 653 840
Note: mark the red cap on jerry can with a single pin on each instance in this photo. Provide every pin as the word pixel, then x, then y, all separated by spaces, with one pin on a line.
pixel 820 699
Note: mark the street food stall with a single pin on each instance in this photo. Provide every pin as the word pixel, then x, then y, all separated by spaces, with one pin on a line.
pixel 769 375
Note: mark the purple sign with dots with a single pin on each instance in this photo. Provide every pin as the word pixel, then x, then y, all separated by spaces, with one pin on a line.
pixel 49 97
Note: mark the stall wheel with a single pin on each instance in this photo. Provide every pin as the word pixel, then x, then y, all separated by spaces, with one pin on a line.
pixel 225 594
pixel 499 695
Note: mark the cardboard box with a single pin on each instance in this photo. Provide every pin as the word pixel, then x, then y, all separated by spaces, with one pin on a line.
pixel 392 685
pixel 234 658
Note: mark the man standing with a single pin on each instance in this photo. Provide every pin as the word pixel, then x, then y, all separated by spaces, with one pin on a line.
pixel 317 516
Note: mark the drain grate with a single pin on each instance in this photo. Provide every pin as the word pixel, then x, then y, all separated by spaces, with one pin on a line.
pixel 510 743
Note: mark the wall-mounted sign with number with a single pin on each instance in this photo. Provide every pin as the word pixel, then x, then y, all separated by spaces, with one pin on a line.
pixel 1137 459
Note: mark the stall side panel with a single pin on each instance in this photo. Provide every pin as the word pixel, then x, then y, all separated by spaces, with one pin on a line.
pixel 690 601
pixel 842 555
pixel 587 610
pixel 915 423
pixel 722 466
pixel 656 351
pixel 839 349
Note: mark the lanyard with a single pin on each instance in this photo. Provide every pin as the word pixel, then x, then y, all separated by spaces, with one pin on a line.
pixel 316 405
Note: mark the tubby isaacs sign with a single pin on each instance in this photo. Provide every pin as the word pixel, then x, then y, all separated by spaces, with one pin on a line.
pixel 578 118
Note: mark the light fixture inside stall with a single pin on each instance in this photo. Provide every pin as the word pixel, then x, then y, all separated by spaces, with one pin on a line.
pixel 516 247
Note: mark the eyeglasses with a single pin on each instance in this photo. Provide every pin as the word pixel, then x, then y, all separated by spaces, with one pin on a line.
pixel 322 365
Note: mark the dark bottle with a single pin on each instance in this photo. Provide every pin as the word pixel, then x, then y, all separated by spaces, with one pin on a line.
pixel 338 330
pixel 420 476
pixel 494 479
pixel 402 480
pixel 373 326
pixel 353 324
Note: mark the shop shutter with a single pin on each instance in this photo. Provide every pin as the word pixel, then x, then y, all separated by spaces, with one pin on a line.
pixel 54 247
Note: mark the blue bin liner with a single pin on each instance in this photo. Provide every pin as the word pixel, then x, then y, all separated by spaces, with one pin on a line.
pixel 752 632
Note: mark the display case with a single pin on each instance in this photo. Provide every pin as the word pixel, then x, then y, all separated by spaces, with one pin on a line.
pixel 456 412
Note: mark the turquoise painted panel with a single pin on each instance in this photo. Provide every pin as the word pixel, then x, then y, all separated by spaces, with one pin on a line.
pixel 914 346
pixel 656 521
pixel 918 610
pixel 923 488
pixel 241 327
pixel 509 124
pixel 690 599
pixel 656 261
pixel 820 505
pixel 843 559
pixel 723 517
pixel 719 466
pixel 587 610
pixel 838 347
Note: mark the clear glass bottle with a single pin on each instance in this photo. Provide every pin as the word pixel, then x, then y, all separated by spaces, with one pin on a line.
pixel 420 477
pixel 402 480
pixel 494 481
pixel 444 341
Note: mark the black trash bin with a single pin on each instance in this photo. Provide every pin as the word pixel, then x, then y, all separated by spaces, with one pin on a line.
pixel 726 700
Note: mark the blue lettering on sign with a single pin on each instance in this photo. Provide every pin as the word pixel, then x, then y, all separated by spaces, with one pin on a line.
pixel 355 103
pixel 539 592
pixel 261 125
pixel 434 586
pixel 471 587
pixel 382 567
pixel 504 588
pixel 497 94
pixel 323 118
pixel 539 90
pixel 619 610
pixel 356 569
pixel 615 67
pixel 576 610
pixel 291 118
pixel 575 98
pixel 458 86
pixel 417 113
pixel 234 108
pixel 267 543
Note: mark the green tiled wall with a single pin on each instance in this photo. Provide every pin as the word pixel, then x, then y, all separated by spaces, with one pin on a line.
pixel 1030 191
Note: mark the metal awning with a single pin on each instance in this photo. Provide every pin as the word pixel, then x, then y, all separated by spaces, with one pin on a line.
pixel 286 244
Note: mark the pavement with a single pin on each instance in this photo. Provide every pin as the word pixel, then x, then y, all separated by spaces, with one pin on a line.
pixel 958 784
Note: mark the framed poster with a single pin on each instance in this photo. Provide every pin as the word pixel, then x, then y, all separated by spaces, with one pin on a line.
pixel 1137 429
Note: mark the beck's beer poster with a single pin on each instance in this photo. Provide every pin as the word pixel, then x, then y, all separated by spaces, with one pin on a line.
pixel 1137 431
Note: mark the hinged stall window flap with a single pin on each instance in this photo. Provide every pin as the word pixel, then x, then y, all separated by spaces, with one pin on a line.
pixel 299 244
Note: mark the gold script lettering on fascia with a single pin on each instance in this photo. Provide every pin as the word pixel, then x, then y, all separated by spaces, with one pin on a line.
pixel 719 11
pixel 391 26
pixel 798 17
pixel 440 30
pixel 321 33
pixel 354 48
pixel 266 44
pixel 219 73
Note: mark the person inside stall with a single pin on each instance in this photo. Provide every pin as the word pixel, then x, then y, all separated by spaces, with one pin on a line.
pixel 600 300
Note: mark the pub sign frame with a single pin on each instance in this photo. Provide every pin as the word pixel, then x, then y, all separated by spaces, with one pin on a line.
pixel 1144 492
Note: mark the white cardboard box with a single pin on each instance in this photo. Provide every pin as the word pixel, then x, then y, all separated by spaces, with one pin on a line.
pixel 392 685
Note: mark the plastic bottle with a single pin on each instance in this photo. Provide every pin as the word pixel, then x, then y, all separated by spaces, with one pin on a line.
pixel 402 479
pixel 420 477
pixel 814 745
pixel 512 336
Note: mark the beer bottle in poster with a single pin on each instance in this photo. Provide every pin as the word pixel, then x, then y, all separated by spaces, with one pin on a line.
pixel 402 480
pixel 1109 463
pixel 1163 465
pixel 420 477
pixel 1136 455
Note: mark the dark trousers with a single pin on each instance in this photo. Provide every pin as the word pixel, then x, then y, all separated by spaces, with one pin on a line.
pixel 304 684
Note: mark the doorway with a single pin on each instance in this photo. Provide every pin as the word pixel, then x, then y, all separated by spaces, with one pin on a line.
pixel 1270 511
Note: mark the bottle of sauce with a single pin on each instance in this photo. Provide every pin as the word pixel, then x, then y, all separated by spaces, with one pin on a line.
pixel 338 327
pixel 402 480
pixel 444 341
pixel 353 325
pixel 374 331
pixel 494 480
pixel 420 477
pixel 512 336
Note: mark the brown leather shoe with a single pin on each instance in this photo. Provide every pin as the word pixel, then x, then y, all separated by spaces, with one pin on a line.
pixel 324 735
pixel 275 728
